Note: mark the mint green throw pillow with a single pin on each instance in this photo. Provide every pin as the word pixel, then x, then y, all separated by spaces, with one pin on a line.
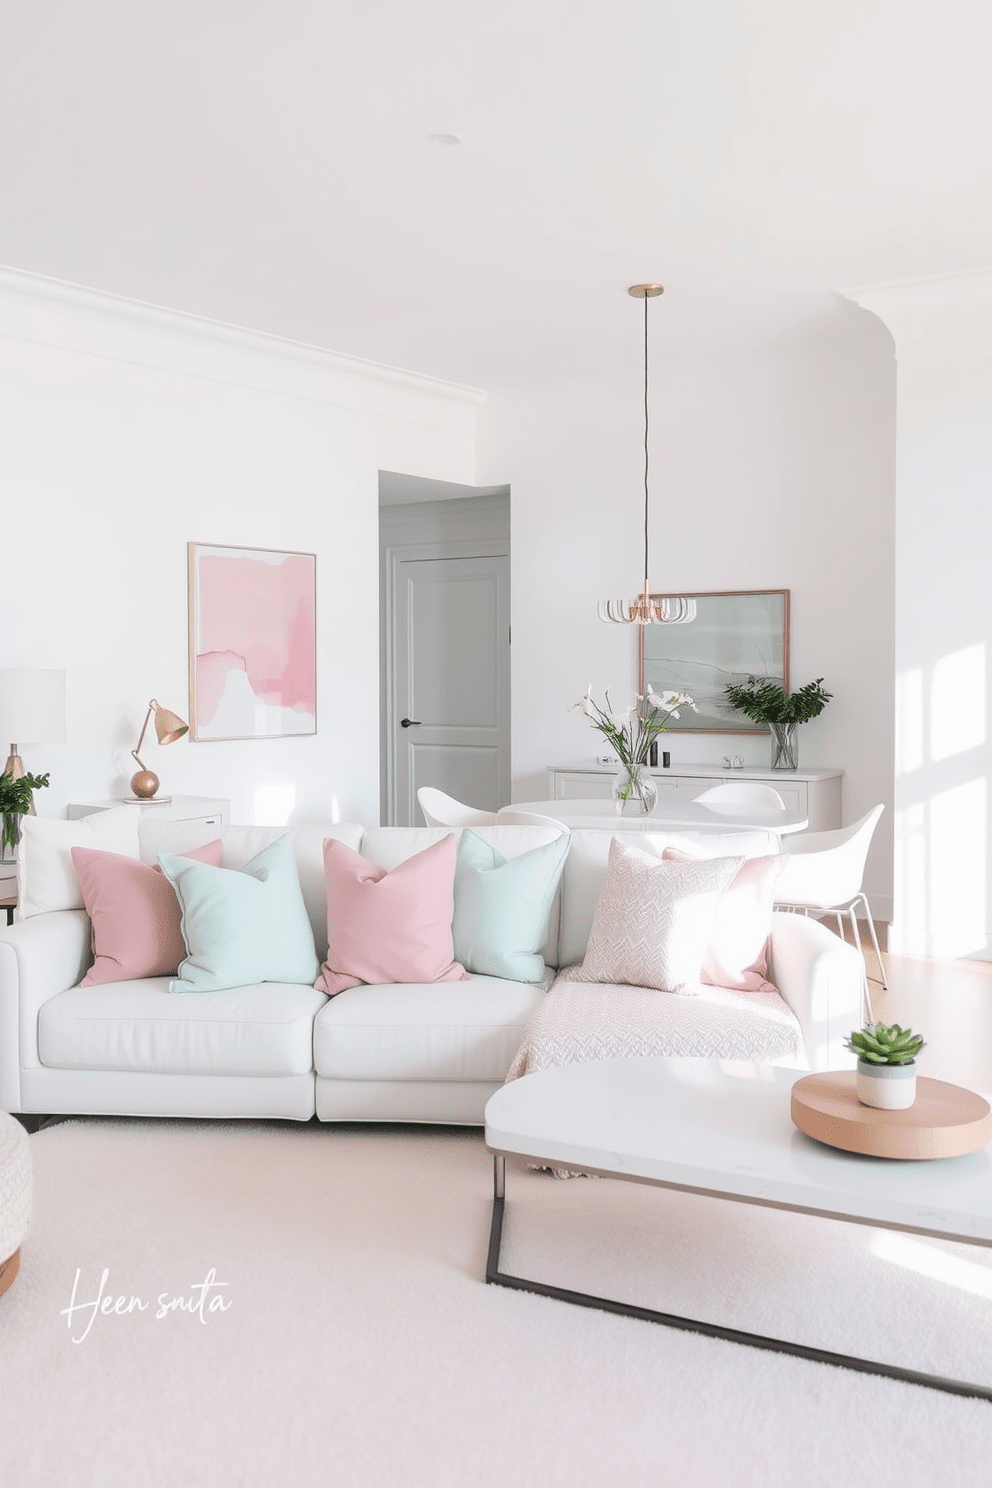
pixel 242 926
pixel 502 907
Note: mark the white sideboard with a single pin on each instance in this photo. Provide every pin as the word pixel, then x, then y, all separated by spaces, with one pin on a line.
pixel 208 811
pixel 815 794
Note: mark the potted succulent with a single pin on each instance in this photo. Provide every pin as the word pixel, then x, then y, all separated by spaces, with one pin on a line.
pixel 886 1073
pixel 15 800
pixel 765 701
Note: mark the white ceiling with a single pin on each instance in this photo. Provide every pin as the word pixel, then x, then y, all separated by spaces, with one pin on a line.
pixel 266 163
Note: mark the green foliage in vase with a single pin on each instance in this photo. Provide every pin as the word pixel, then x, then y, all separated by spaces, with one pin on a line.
pixel 764 701
pixel 15 799
pixel 879 1043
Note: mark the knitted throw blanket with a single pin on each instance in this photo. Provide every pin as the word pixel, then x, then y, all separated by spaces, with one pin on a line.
pixel 601 1020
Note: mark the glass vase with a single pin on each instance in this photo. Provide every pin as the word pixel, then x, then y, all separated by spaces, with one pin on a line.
pixel 785 746
pixel 634 791
pixel 10 836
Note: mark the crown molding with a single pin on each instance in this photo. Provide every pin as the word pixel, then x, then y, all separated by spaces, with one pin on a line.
pixel 54 312
pixel 903 297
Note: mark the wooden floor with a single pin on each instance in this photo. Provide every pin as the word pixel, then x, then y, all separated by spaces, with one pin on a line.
pixel 949 1003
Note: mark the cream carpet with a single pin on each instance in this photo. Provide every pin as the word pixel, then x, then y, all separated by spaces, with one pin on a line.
pixel 359 1346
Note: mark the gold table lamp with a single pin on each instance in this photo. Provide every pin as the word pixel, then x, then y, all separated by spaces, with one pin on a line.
pixel 168 728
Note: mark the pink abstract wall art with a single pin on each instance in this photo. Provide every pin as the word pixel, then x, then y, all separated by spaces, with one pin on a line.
pixel 253 652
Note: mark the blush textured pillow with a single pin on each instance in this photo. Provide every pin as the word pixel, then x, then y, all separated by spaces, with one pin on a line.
pixel 389 926
pixel 502 906
pixel 737 954
pixel 242 926
pixel 652 923
pixel 135 915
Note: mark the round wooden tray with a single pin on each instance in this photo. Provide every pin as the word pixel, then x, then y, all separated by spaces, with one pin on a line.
pixel 944 1121
pixel 8 1271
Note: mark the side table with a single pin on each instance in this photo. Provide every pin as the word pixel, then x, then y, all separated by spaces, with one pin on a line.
pixel 209 811
pixel 8 889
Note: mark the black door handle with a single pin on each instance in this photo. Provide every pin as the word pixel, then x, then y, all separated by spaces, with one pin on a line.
pixel 409 723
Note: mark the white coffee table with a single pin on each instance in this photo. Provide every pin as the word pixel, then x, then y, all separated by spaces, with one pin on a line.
pixel 722 1129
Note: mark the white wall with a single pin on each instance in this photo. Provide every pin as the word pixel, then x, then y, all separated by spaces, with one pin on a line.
pixel 126 432
pixel 943 336
pixel 774 470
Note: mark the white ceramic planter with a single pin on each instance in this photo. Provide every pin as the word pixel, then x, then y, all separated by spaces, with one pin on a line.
pixel 888 1087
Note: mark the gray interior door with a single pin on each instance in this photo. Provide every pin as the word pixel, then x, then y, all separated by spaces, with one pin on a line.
pixel 449 708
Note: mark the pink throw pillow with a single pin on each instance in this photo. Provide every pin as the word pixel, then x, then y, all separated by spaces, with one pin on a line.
pixel 737 955
pixel 135 914
pixel 389 926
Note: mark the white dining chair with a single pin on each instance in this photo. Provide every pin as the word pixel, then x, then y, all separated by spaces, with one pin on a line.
pixel 440 810
pixel 508 817
pixel 742 793
pixel 824 873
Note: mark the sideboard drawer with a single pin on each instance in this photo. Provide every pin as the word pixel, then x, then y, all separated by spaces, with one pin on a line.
pixel 574 785
pixel 794 795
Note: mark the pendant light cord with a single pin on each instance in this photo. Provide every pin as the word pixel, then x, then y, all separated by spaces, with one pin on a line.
pixel 645 442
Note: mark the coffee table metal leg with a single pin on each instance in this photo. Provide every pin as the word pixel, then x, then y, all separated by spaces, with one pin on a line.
pixel 496 1277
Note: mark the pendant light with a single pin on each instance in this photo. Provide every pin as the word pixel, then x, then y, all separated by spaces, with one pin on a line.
pixel 647 609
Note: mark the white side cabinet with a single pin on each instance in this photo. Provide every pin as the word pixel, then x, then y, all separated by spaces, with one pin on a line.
pixel 206 811
pixel 815 794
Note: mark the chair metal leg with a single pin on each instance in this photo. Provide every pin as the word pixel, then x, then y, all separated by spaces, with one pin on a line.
pixel 869 1016
pixel 874 939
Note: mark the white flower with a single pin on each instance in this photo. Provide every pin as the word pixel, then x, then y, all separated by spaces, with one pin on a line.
pixel 586 704
pixel 669 701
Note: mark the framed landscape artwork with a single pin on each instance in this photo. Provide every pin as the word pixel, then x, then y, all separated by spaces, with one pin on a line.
pixel 252 643
pixel 734 636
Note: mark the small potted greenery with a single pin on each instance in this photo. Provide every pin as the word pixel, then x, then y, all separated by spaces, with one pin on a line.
pixel 886 1073
pixel 765 701
pixel 15 800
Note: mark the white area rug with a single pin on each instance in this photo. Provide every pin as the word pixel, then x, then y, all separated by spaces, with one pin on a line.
pixel 359 1345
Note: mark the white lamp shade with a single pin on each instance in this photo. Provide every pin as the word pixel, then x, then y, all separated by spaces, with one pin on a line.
pixel 32 706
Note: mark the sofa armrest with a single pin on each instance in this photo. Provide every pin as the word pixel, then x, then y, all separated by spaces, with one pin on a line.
pixel 821 978
pixel 39 958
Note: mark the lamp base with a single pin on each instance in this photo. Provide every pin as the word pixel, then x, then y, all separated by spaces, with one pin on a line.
pixel 147 800
pixel 144 783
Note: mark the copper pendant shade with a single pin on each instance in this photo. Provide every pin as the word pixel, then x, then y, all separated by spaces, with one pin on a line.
pixel 647 609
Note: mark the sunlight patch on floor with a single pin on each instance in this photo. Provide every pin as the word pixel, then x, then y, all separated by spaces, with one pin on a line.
pixel 926 1259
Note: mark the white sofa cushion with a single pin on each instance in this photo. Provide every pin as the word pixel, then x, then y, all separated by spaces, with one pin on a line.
pixel 260 1030
pixel 424 1031
pixel 241 844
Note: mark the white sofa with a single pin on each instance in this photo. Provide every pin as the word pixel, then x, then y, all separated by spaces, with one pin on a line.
pixel 431 1053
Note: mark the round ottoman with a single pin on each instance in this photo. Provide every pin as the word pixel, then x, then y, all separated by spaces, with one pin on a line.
pixel 15 1196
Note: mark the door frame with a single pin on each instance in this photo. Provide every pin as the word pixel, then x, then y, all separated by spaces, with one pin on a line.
pixel 395 554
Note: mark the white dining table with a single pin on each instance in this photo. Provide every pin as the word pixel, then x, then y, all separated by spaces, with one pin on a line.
pixel 667 816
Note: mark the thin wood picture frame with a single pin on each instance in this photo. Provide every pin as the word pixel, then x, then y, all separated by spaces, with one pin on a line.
pixel 737 633
pixel 252 643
